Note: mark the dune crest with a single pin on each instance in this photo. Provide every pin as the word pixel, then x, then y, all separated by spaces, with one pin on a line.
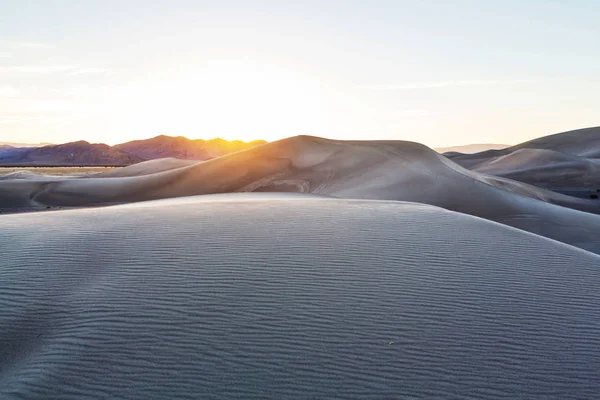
pixel 565 162
pixel 380 170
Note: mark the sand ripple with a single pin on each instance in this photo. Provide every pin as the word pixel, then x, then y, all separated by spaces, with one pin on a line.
pixel 299 298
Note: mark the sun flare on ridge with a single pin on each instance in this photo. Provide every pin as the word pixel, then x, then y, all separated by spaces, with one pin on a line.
pixel 233 101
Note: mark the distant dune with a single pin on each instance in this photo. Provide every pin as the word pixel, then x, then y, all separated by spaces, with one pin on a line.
pixel 146 168
pixel 249 296
pixel 382 170
pixel 564 161
pixel 471 148
pixel 525 158
pixel 580 142
pixel 545 168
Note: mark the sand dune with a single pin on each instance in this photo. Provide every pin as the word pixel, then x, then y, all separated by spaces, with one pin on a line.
pixel 545 168
pixel 146 168
pixel 527 159
pixel 385 170
pixel 261 297
pixel 580 142
pixel 565 162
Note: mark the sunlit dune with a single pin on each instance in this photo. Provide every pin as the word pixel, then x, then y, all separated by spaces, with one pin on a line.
pixel 382 170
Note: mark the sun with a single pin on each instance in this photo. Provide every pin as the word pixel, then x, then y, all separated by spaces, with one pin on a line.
pixel 231 100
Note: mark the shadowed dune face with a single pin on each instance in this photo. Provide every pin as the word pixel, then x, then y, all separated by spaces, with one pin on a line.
pixel 580 142
pixel 545 168
pixel 525 159
pixel 259 297
pixel 565 162
pixel 382 170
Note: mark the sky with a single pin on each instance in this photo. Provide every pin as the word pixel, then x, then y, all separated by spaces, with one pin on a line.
pixel 433 71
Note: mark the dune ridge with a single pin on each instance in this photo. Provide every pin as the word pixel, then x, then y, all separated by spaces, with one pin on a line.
pixel 580 142
pixel 563 162
pixel 380 170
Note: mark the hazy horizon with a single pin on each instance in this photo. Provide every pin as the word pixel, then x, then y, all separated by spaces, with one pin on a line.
pixel 30 144
pixel 219 138
pixel 143 138
pixel 432 72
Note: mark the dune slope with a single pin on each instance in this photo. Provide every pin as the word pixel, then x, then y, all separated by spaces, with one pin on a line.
pixel 384 170
pixel 146 168
pixel 564 162
pixel 581 142
pixel 527 159
pixel 260 297
pixel 545 168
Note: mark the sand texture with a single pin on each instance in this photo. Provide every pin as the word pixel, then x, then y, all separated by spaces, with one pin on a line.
pixel 271 296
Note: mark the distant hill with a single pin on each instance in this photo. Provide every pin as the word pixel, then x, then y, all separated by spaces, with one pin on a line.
pixel 183 148
pixel 74 153
pixel 472 148
pixel 84 153
pixel 165 146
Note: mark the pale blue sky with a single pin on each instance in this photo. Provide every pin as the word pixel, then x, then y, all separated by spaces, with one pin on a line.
pixel 439 72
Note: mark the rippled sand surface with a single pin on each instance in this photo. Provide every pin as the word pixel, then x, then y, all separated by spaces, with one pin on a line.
pixel 268 296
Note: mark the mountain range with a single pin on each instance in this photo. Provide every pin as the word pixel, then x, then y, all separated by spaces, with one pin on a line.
pixel 82 153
